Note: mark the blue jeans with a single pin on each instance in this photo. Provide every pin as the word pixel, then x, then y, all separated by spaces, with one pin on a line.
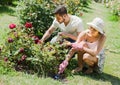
pixel 72 41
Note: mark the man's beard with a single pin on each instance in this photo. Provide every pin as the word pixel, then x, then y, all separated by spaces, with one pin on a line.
pixel 62 21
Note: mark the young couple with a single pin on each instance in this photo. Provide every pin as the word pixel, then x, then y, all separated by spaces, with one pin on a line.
pixel 88 44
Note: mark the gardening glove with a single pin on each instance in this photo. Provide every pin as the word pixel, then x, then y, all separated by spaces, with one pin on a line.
pixel 62 66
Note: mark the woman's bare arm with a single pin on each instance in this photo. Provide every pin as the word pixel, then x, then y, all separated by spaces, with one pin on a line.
pixel 99 47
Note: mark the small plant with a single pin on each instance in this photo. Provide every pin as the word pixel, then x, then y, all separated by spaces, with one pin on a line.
pixel 115 10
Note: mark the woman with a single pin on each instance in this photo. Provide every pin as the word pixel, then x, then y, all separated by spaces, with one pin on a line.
pixel 89 46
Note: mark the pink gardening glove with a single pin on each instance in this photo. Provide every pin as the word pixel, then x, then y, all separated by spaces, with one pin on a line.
pixel 62 66
pixel 75 45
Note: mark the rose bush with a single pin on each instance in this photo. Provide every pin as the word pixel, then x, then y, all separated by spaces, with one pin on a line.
pixel 23 47
pixel 114 9
pixel 25 52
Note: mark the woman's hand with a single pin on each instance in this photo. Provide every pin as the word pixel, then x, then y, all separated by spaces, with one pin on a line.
pixel 78 46
pixel 62 66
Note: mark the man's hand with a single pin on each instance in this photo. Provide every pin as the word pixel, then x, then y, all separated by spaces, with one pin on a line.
pixel 67 35
pixel 63 34
pixel 41 41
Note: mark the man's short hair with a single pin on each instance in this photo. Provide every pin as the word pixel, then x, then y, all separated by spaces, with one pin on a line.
pixel 61 10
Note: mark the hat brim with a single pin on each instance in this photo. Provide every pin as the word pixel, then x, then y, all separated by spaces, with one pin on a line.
pixel 96 27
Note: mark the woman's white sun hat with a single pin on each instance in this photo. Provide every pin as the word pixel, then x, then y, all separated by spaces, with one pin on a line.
pixel 98 24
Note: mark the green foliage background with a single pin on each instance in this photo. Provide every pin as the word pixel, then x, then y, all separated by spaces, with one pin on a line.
pixel 39 12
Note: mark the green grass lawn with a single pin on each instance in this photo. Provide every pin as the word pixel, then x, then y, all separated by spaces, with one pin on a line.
pixel 7 16
pixel 111 74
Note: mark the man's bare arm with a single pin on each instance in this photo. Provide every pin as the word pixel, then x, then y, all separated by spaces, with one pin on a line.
pixel 47 33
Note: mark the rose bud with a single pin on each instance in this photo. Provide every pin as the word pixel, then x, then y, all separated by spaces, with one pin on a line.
pixel 21 50
pixel 36 39
pixel 19 61
pixel 16 34
pixel 10 40
pixel 12 26
pixel 50 48
pixel 5 59
pixel 28 25
pixel 23 57
pixel 0 49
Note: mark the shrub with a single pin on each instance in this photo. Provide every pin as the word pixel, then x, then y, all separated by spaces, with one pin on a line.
pixel 24 51
pixel 75 7
pixel 114 9
pixel 37 12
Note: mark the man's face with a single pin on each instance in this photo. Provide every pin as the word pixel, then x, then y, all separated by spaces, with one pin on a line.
pixel 60 18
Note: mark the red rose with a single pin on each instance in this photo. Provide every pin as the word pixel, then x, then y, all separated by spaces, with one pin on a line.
pixel 36 39
pixel 19 61
pixel 28 25
pixel 21 50
pixel 5 59
pixel 10 40
pixel 12 26
pixel 0 49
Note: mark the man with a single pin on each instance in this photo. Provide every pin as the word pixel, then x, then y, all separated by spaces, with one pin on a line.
pixel 69 25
